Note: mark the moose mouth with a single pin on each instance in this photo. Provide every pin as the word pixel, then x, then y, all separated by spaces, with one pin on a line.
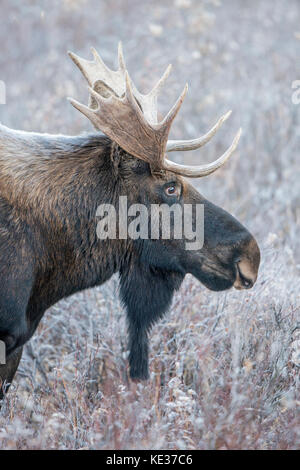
pixel 241 281
pixel 217 278
pixel 214 277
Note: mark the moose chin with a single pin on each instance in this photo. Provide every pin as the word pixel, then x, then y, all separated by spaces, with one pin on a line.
pixel 51 187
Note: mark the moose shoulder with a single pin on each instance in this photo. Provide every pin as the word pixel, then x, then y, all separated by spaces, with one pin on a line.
pixel 51 188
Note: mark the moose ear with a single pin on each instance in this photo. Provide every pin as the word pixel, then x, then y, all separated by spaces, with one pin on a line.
pixel 139 167
pixel 120 159
pixel 116 156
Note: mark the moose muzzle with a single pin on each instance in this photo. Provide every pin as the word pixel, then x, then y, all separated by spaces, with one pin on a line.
pixel 247 266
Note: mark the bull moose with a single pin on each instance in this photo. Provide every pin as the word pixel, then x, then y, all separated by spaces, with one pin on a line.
pixel 50 188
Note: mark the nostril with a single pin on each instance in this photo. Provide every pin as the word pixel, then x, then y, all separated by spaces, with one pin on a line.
pixel 246 282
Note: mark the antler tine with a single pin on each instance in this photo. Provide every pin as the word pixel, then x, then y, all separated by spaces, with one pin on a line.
pixel 89 68
pixel 155 91
pixel 203 170
pixel 98 58
pixel 183 145
pixel 130 96
pixel 167 121
pixel 122 65
pixel 148 102
pixel 86 110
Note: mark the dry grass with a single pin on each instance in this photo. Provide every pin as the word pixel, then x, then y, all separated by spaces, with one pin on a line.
pixel 224 366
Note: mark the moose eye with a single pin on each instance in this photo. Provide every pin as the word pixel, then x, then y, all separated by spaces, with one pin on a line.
pixel 172 190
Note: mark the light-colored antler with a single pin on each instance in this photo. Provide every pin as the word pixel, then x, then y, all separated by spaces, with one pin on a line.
pixel 183 145
pixel 124 122
pixel 98 74
pixel 203 170
pixel 108 82
pixel 129 117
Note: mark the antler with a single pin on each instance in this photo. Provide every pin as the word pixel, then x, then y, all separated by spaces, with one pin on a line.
pixel 100 77
pixel 109 82
pixel 129 117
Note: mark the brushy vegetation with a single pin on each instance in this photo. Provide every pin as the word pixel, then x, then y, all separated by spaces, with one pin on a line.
pixel 224 366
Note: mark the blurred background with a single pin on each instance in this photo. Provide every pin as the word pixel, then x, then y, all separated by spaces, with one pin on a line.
pixel 224 366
